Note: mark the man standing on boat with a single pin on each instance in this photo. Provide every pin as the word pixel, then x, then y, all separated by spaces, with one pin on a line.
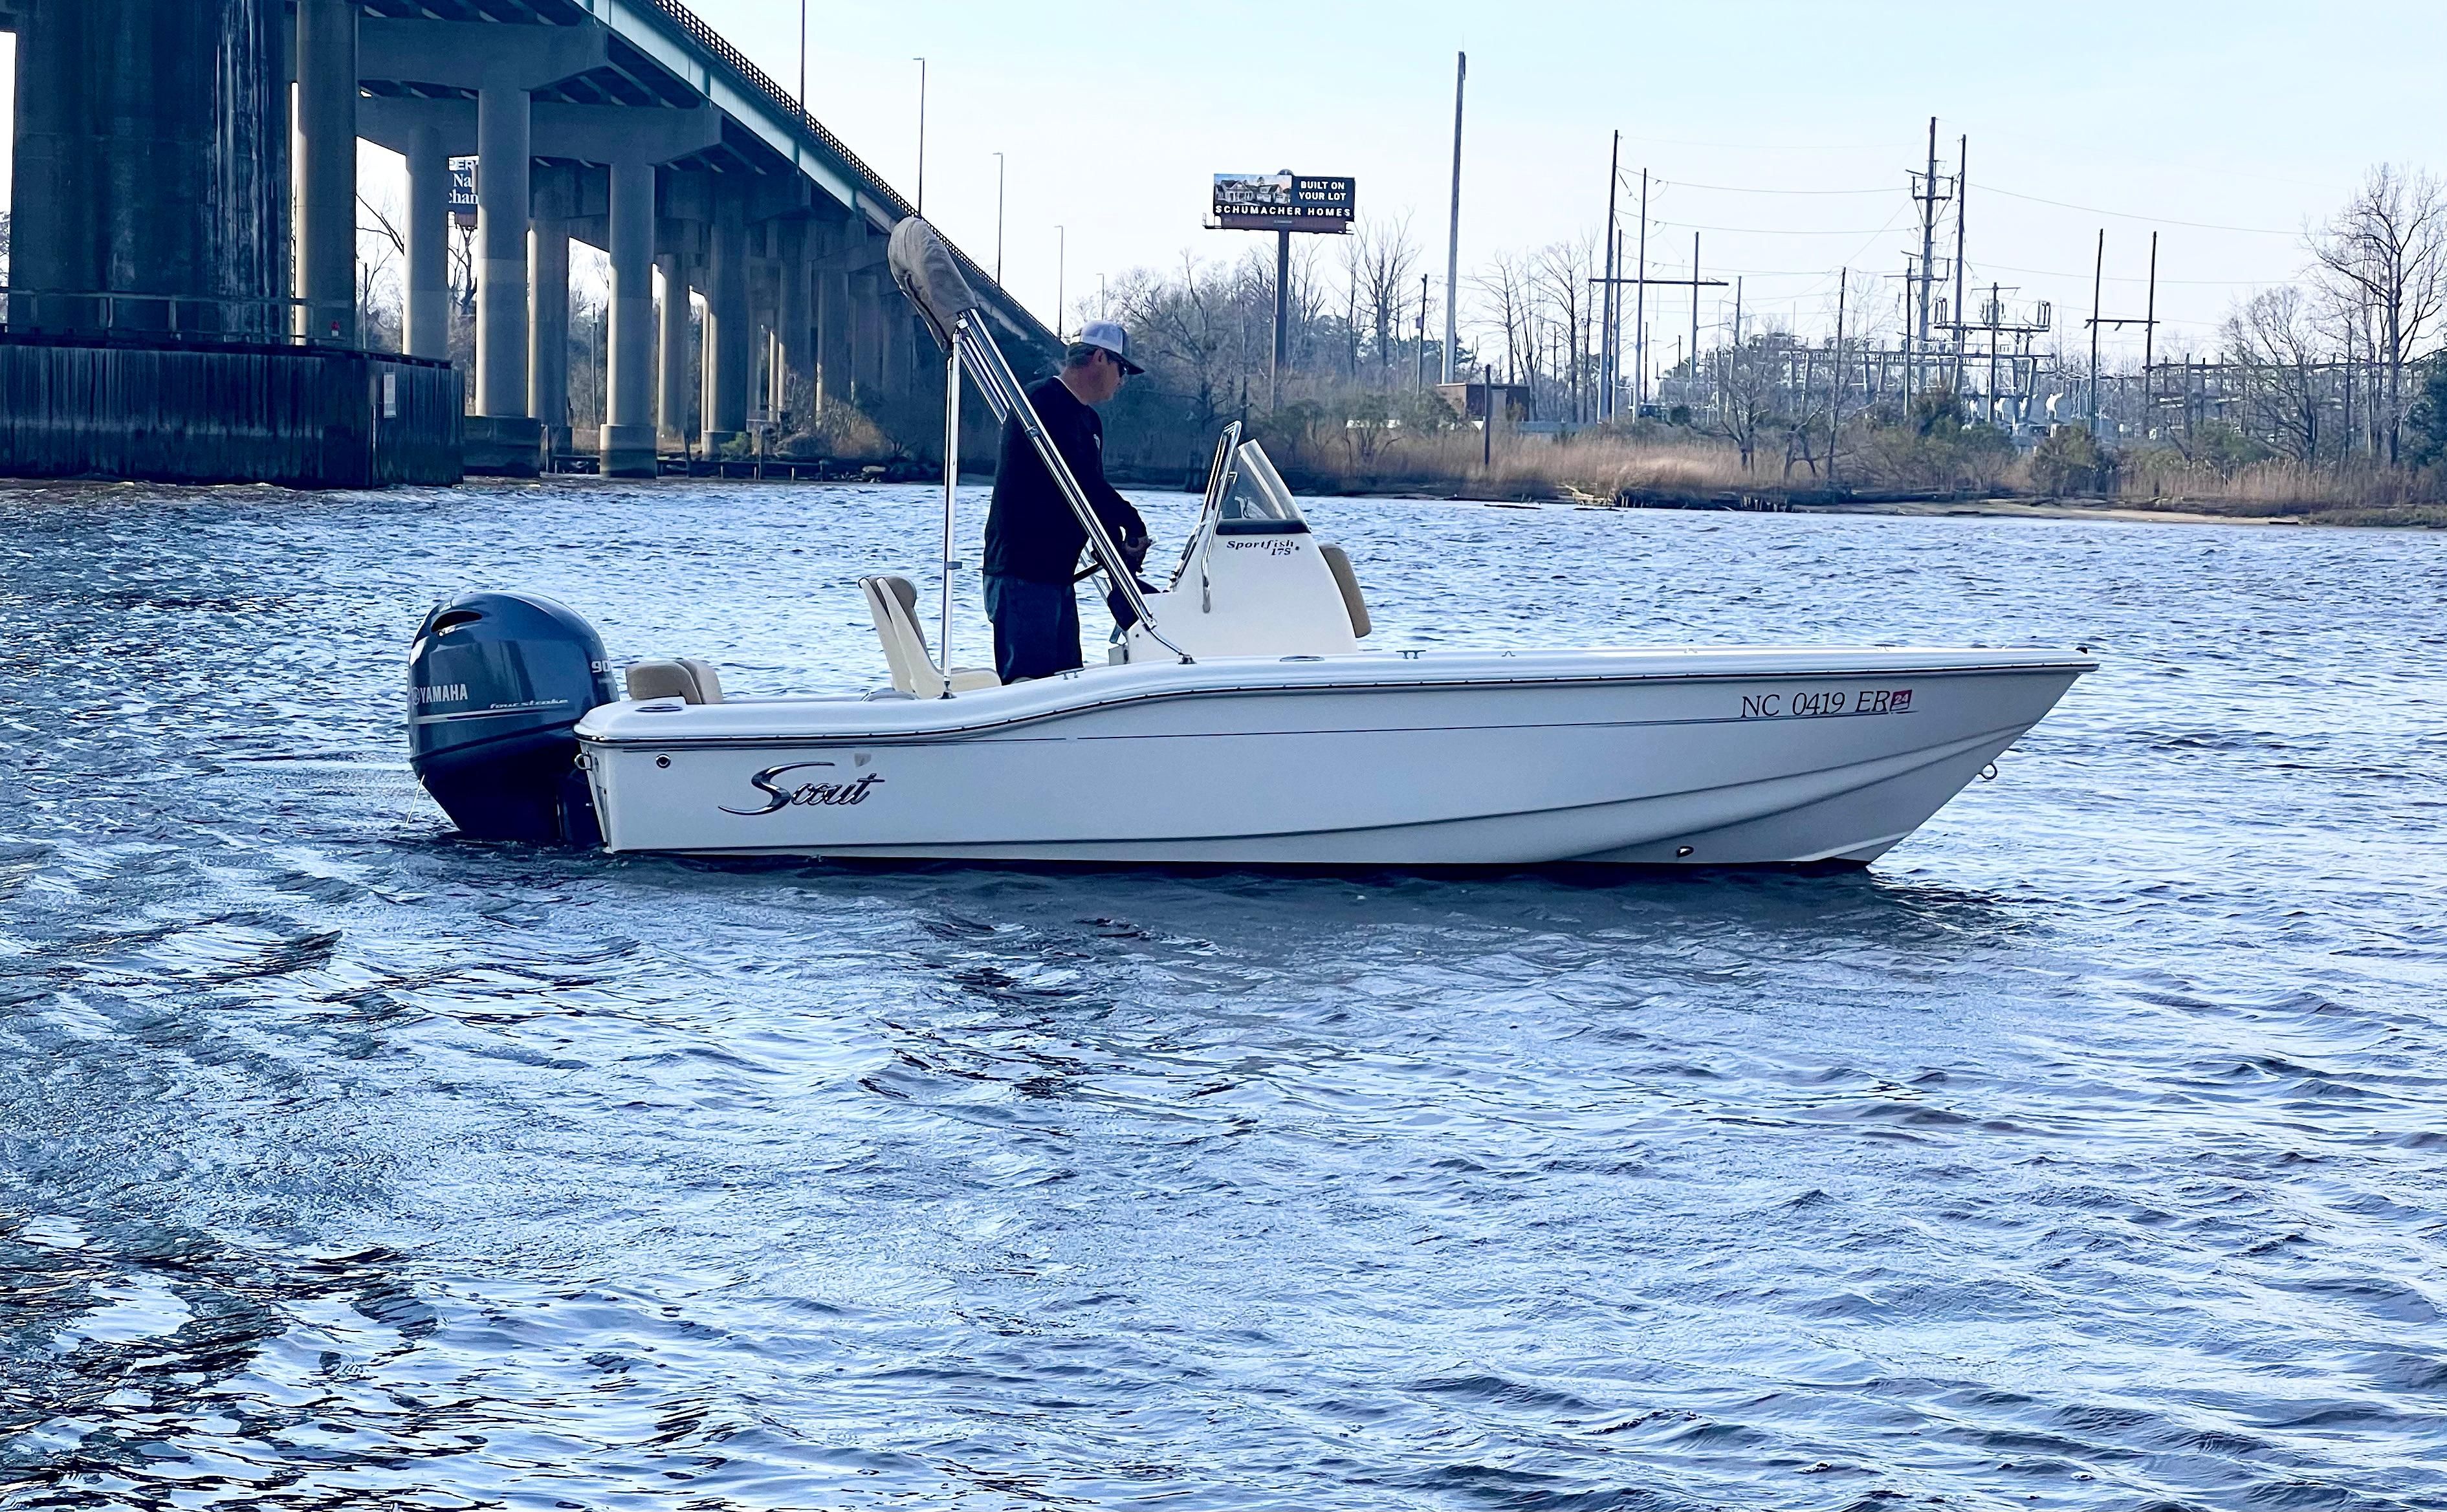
pixel 1033 540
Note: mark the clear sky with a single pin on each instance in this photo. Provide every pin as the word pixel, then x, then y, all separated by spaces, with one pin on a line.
pixel 2247 115
pixel 2241 114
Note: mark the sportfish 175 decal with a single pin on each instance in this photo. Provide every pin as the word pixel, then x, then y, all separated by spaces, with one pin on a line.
pixel 807 794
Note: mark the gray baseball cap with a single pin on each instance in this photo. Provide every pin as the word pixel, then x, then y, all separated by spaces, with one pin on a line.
pixel 1109 336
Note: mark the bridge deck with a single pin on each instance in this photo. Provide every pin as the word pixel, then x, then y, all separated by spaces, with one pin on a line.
pixel 662 55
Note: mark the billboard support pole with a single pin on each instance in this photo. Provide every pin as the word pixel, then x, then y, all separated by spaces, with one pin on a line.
pixel 1283 315
pixel 1282 202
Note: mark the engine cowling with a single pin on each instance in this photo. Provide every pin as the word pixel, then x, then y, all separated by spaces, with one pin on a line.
pixel 497 684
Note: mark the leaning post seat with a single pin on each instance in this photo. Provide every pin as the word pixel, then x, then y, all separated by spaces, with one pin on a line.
pixel 682 678
pixel 893 602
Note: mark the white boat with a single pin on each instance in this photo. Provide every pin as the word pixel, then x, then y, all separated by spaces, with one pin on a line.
pixel 1239 722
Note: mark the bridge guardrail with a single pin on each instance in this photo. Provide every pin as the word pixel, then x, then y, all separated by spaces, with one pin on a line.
pixel 172 317
pixel 694 28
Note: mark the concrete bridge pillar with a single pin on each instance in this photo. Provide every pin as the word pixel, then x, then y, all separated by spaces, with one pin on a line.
pixel 548 331
pixel 427 324
pixel 151 157
pixel 628 440
pixel 832 337
pixel 870 331
pixel 796 324
pixel 326 170
pixel 729 356
pixel 503 195
pixel 504 65
pixel 671 387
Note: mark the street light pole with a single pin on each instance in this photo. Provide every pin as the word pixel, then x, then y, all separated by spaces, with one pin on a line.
pixel 1061 269
pixel 922 134
pixel 998 168
pixel 803 57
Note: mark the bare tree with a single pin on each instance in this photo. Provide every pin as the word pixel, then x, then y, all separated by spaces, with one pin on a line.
pixel 1561 273
pixel 1505 284
pixel 1382 262
pixel 1749 393
pixel 2387 250
pixel 1193 325
pixel 381 249
pixel 2275 335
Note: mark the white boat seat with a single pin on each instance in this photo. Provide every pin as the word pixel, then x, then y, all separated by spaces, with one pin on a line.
pixel 893 601
pixel 682 678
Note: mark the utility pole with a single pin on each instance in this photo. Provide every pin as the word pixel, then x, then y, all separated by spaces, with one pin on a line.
pixel 1835 400
pixel 998 169
pixel 922 134
pixel 1961 193
pixel 1613 271
pixel 1423 330
pixel 2150 340
pixel 1486 426
pixel 1613 333
pixel 1453 239
pixel 1695 283
pixel 2097 272
pixel 1928 259
pixel 1907 343
pixel 1639 309
pixel 2148 323
pixel 1996 311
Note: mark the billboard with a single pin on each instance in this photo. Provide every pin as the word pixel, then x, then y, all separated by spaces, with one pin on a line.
pixel 1283 201
pixel 462 190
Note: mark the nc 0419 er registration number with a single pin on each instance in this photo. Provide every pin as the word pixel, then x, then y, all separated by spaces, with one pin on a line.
pixel 1816 703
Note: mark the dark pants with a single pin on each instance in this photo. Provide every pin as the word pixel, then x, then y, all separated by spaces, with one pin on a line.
pixel 1035 626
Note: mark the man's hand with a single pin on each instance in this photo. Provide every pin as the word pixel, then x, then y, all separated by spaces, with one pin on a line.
pixel 1134 551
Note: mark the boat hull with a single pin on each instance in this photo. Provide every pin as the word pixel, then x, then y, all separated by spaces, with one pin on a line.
pixel 1605 758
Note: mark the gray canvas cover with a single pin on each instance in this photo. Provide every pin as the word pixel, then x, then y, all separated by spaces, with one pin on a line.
pixel 924 267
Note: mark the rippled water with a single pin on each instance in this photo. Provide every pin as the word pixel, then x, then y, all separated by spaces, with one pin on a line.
pixel 2084 1153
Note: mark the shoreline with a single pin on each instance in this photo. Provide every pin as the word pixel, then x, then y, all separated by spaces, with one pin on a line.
pixel 2422 517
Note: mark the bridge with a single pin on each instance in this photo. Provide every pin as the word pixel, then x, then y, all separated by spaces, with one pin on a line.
pixel 155 181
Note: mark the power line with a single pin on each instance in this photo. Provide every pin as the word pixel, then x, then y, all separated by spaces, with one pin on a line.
pixel 2126 215
pixel 1730 189
pixel 2058 272
pixel 1763 231
pixel 1769 146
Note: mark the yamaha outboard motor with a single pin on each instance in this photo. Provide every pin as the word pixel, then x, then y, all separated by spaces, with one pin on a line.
pixel 497 684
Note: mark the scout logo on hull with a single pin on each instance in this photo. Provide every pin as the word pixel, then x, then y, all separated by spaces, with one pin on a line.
pixel 804 795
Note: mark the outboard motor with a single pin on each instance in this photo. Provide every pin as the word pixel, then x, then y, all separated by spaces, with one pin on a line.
pixel 497 684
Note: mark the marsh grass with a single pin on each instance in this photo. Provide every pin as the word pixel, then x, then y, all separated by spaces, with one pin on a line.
pixel 1667 466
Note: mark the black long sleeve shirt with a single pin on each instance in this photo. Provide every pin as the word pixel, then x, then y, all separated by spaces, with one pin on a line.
pixel 1029 530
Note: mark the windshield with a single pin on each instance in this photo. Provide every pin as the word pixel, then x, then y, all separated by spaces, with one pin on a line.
pixel 1256 502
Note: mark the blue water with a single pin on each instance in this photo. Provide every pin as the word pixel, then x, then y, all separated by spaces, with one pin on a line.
pixel 2087 1152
